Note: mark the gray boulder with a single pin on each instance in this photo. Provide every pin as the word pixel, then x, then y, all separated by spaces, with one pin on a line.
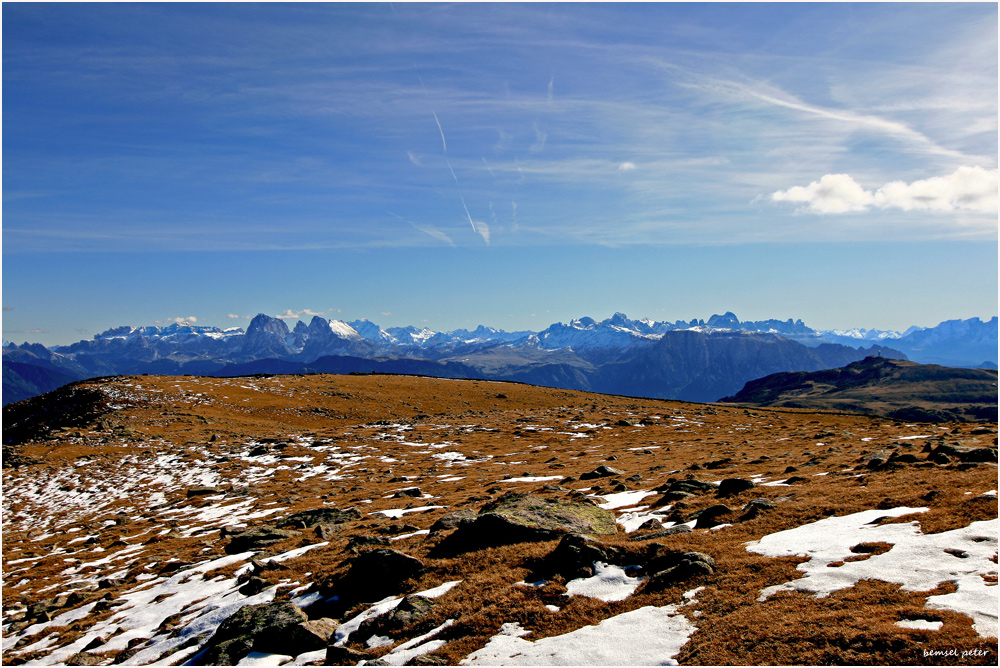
pixel 310 518
pixel 276 628
pixel 663 533
pixel 411 614
pixel 574 557
pixel 678 568
pixel 601 472
pixel 452 520
pixel 520 518
pixel 373 575
pixel 256 539
pixel 709 517
pixel 732 486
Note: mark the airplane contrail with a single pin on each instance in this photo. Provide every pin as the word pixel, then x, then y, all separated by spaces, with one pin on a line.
pixel 441 130
pixel 468 215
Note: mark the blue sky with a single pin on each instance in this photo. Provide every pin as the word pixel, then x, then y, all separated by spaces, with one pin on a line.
pixel 506 164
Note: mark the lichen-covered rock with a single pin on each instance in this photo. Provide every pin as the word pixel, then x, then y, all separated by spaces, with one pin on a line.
pixel 344 656
pixel 411 614
pixel 673 568
pixel 663 533
pixel 267 627
pixel 257 538
pixel 227 652
pixel 755 508
pixel 310 518
pixel 452 520
pixel 520 518
pixel 574 557
pixel 358 542
pixel 963 453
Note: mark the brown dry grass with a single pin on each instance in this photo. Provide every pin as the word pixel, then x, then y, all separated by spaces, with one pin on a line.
pixel 527 433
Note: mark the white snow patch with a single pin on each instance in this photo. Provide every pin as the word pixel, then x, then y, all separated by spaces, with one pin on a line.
pixel 417 646
pixel 264 659
pixel 649 636
pixel 917 561
pixel 385 605
pixel 344 631
pixel 399 512
pixel 309 657
pixel 535 478
pixel 609 583
pixel 921 624
pixel 623 499
pixel 422 532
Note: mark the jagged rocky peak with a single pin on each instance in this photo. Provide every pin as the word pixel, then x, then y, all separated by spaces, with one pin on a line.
pixel 36 349
pixel 619 319
pixel 726 321
pixel 115 332
pixel 266 336
pixel 411 335
pixel 369 330
pixel 265 324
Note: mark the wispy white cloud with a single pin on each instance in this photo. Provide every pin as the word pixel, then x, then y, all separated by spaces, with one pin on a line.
pixel 189 320
pixel 483 230
pixel 434 232
pixel 774 96
pixel 540 139
pixel 626 166
pixel 970 189
pixel 290 314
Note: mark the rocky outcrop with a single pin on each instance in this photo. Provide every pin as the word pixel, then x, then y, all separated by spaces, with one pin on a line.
pixel 257 538
pixel 412 614
pixel 273 628
pixel 317 516
pixel 733 486
pixel 574 557
pixel 519 518
pixel 962 453
pixel 601 472
pixel 373 575
pixel 672 568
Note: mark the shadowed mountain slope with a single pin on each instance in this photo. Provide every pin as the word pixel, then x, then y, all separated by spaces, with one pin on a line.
pixel 893 388
pixel 23 381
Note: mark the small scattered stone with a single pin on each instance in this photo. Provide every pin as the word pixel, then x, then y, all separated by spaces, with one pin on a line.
pixel 601 472
pixel 732 486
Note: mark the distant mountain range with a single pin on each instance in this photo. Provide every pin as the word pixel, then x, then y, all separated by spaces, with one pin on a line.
pixel 690 360
pixel 892 388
